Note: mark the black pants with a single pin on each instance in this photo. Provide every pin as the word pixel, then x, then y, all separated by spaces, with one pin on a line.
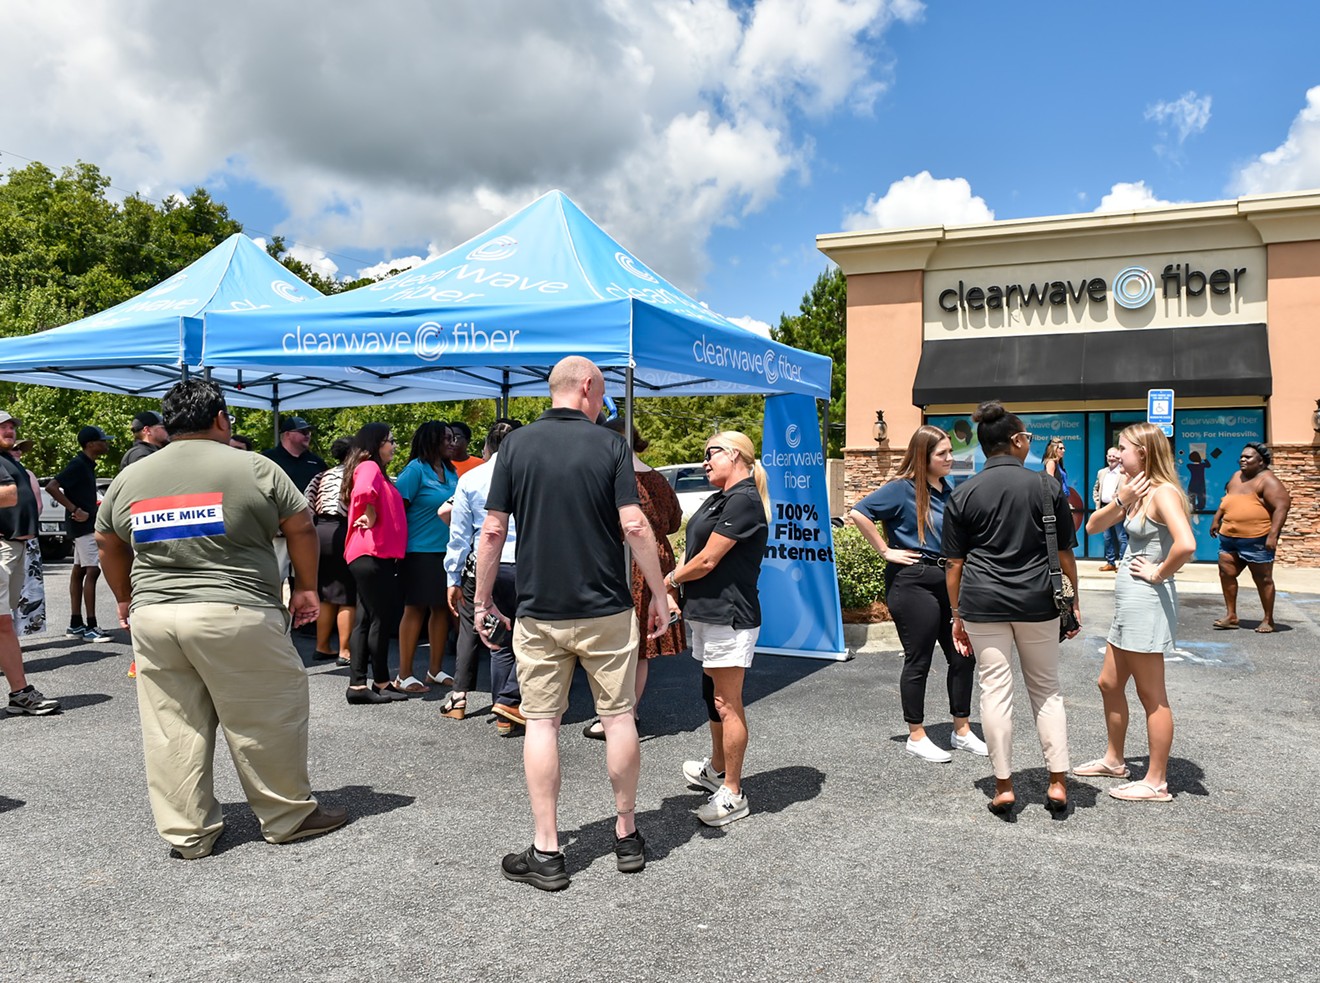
pixel 503 674
pixel 919 602
pixel 379 608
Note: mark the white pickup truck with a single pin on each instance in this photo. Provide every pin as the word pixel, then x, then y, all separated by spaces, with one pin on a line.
pixel 55 542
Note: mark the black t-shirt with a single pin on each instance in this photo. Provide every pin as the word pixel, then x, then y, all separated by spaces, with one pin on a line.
pixel 300 469
pixel 564 479
pixel 137 452
pixel 993 524
pixel 728 595
pixel 78 479
pixel 18 521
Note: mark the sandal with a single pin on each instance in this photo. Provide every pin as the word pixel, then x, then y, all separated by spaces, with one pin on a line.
pixel 1142 792
pixel 1223 624
pixel 441 678
pixel 1099 768
pixel 410 685
pixel 454 707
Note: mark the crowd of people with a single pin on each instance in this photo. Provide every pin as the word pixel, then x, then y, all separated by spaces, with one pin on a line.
pixel 522 551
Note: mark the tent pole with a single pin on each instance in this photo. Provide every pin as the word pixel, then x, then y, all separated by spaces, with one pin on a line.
pixel 504 395
pixel 275 411
pixel 825 432
pixel 628 431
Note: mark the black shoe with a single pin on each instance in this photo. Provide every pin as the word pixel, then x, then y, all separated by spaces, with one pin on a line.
pixel 630 852
pixel 547 875
pixel 368 694
pixel 390 692
pixel 320 821
pixel 320 656
pixel 594 730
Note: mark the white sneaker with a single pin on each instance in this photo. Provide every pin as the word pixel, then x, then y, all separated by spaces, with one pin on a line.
pixel 701 773
pixel 723 808
pixel 970 743
pixel 927 750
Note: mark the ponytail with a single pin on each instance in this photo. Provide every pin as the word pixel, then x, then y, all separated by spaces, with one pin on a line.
pixel 762 487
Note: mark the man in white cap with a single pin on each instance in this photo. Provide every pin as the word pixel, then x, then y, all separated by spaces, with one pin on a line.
pixel 18 524
pixel 75 489
pixel 148 436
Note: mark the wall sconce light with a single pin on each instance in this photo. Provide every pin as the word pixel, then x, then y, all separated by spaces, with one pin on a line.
pixel 880 429
pixel 1315 417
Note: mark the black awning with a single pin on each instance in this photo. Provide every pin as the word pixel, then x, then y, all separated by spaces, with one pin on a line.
pixel 1222 360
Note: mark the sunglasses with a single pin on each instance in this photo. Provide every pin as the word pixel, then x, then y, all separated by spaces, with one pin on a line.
pixel 713 450
pixel 1023 433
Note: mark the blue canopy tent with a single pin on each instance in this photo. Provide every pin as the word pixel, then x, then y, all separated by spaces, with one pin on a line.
pixel 145 345
pixel 499 310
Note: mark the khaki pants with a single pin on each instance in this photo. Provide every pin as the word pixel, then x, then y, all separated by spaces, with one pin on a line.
pixel 547 652
pixel 1038 654
pixel 206 665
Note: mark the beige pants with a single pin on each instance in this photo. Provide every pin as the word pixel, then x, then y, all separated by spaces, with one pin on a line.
pixel 200 666
pixel 547 652
pixel 1038 654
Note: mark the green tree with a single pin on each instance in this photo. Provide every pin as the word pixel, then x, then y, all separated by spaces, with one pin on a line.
pixel 820 327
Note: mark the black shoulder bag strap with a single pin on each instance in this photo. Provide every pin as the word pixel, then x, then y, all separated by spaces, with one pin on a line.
pixel 1051 534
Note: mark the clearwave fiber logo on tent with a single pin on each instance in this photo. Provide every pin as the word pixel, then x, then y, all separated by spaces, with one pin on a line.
pixel 287 291
pixel 1134 287
pixel 768 365
pixel 501 247
pixel 792 436
pixel 429 341
pixel 630 264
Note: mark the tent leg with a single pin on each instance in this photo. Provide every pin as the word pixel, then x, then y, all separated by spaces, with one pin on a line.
pixel 825 432
pixel 275 413
pixel 504 395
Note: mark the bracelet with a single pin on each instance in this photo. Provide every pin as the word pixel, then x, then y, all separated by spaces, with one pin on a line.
pixel 671 581
pixel 1119 502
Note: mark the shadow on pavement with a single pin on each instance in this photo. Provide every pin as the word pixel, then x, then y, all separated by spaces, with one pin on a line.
pixel 361 801
pixel 80 701
pixel 77 657
pixel 8 805
pixel 675 823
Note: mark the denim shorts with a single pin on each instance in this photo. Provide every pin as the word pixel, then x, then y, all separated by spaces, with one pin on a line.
pixel 1251 550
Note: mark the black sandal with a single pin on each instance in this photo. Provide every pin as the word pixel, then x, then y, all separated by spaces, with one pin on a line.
pixel 454 707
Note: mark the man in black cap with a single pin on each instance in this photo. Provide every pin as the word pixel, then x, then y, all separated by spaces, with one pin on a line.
pixel 75 489
pixel 148 436
pixel 300 464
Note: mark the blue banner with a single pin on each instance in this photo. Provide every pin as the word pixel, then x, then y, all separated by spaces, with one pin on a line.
pixel 800 610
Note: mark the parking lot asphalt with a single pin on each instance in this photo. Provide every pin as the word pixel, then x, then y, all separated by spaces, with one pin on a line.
pixel 857 863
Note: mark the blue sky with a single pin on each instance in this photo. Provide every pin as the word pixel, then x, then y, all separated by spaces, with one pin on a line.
pixel 715 139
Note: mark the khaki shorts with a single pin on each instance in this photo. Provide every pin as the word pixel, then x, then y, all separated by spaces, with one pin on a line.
pixel 85 553
pixel 547 652
pixel 13 569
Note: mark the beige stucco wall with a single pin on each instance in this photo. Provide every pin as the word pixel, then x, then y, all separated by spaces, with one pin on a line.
pixel 884 346
pixel 1294 285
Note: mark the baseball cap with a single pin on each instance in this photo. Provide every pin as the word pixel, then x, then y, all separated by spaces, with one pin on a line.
pixel 24 446
pixel 5 417
pixel 88 435
pixel 147 418
pixel 294 423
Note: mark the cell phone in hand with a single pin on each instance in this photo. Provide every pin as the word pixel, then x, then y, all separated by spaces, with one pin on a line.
pixel 495 630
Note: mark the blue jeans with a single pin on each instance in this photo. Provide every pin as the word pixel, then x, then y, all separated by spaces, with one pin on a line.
pixel 1115 543
pixel 504 687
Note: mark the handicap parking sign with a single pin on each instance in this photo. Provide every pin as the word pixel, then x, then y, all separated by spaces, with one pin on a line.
pixel 1159 409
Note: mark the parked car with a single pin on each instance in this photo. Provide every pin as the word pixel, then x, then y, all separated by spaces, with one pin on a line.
pixel 55 542
pixel 690 484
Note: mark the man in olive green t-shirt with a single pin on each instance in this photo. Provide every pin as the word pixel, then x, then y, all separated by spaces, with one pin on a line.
pixel 185 539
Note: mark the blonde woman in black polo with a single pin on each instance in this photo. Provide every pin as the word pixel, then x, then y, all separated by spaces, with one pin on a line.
pixel 910 508
pixel 725 545
pixel 999 586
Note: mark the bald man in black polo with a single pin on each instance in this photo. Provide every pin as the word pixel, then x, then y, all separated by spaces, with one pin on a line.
pixel 570 484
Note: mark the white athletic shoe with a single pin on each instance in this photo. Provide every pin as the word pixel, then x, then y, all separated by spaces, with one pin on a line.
pixel 970 743
pixel 927 750
pixel 701 773
pixel 723 808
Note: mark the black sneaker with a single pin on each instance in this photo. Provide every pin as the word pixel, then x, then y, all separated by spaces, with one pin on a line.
pixel 547 875
pixel 630 852
pixel 30 701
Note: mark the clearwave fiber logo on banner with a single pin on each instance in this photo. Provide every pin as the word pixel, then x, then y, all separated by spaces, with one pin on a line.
pixel 800 609
pixel 429 341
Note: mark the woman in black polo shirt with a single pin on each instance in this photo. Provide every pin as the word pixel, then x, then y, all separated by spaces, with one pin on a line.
pixel 911 510
pixel 725 544
pixel 999 582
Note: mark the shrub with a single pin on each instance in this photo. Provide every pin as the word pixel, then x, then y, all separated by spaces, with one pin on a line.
pixel 861 570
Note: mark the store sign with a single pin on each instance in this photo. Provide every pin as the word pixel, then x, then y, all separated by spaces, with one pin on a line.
pixel 1170 290
pixel 1133 288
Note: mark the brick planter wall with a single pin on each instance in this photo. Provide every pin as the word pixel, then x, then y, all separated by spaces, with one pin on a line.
pixel 1298 467
pixel 866 469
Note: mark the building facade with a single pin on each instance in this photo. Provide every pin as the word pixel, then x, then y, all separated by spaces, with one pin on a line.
pixel 1072 320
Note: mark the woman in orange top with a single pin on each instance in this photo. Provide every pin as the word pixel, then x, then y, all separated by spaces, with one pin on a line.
pixel 1249 522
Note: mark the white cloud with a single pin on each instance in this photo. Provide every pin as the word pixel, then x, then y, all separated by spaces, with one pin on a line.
pixel 1130 197
pixel 428 122
pixel 316 259
pixel 1181 118
pixel 1294 164
pixel 752 324
pixel 920 199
